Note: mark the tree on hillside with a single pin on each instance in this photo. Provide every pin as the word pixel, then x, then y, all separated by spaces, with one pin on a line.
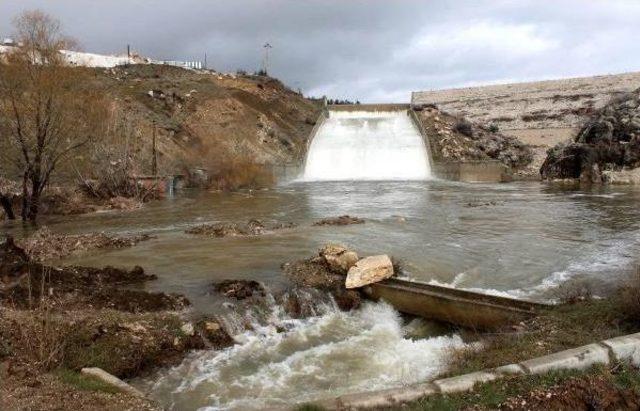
pixel 45 111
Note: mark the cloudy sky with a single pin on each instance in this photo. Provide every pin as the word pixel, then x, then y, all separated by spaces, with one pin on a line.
pixel 372 50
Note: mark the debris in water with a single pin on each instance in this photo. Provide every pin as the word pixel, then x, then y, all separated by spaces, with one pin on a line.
pixel 251 228
pixel 342 220
pixel 239 289
pixel 47 245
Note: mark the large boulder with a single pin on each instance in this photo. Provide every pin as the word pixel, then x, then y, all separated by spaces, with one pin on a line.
pixel 338 258
pixel 369 270
pixel 609 141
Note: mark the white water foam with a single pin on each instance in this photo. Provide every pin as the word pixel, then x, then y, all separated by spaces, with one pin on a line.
pixel 319 357
pixel 367 145
pixel 615 257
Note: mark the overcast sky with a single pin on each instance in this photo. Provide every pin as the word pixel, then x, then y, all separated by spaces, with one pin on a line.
pixel 373 50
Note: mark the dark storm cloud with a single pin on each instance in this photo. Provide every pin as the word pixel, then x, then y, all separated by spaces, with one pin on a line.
pixel 371 50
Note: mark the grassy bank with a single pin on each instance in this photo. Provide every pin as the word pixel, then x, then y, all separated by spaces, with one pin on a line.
pixel 579 321
pixel 600 387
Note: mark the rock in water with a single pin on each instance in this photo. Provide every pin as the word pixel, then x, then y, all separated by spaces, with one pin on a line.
pixel 240 289
pixel 369 270
pixel 339 258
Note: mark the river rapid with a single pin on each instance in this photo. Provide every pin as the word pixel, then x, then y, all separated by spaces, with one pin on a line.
pixel 518 239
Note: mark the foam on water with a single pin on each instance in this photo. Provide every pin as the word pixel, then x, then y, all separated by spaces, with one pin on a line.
pixel 614 257
pixel 366 145
pixel 319 357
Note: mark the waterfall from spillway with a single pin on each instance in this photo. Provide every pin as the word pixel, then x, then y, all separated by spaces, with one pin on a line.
pixel 367 145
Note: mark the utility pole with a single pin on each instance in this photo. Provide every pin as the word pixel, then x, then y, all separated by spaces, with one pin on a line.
pixel 205 61
pixel 154 154
pixel 265 67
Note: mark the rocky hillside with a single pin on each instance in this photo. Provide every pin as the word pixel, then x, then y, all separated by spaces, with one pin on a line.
pixel 454 138
pixel 608 142
pixel 200 118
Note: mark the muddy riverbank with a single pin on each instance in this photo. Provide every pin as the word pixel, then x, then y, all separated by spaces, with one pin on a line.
pixel 55 321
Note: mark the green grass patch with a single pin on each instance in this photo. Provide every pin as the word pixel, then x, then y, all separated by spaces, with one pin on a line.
pixel 83 382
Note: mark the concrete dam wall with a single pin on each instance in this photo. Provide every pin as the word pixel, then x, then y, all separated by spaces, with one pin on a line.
pixel 539 113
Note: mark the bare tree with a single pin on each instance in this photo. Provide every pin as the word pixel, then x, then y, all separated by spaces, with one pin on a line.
pixel 47 110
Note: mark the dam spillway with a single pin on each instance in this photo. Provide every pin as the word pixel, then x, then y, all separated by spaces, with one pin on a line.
pixel 367 145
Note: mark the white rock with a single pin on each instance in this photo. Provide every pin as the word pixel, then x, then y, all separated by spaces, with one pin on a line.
pixel 187 329
pixel 112 380
pixel 339 258
pixel 369 270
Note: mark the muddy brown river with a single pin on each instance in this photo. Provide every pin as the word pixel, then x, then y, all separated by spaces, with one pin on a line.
pixel 517 239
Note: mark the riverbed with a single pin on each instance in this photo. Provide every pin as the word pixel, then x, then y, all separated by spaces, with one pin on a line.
pixel 520 239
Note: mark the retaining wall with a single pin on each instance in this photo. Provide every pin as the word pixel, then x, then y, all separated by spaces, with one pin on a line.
pixel 480 171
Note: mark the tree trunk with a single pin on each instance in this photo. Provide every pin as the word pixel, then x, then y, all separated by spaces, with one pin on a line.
pixel 34 206
pixel 7 205
pixel 25 198
pixel 34 201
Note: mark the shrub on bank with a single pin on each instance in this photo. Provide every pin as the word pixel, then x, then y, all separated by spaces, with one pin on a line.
pixel 464 127
pixel 240 172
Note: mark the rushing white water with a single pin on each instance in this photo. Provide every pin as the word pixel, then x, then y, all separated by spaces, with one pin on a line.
pixel 319 357
pixel 367 145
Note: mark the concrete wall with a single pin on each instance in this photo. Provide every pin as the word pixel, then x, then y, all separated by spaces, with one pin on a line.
pixel 368 107
pixel 489 171
pixel 538 113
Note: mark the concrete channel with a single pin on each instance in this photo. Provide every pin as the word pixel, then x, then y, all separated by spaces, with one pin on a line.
pixel 460 307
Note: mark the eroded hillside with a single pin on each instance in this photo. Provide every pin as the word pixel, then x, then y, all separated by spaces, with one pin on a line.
pixel 201 118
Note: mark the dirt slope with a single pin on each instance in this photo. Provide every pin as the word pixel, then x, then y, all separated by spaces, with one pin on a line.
pixel 201 117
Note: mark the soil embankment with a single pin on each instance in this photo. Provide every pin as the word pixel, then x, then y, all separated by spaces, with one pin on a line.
pixel 200 116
